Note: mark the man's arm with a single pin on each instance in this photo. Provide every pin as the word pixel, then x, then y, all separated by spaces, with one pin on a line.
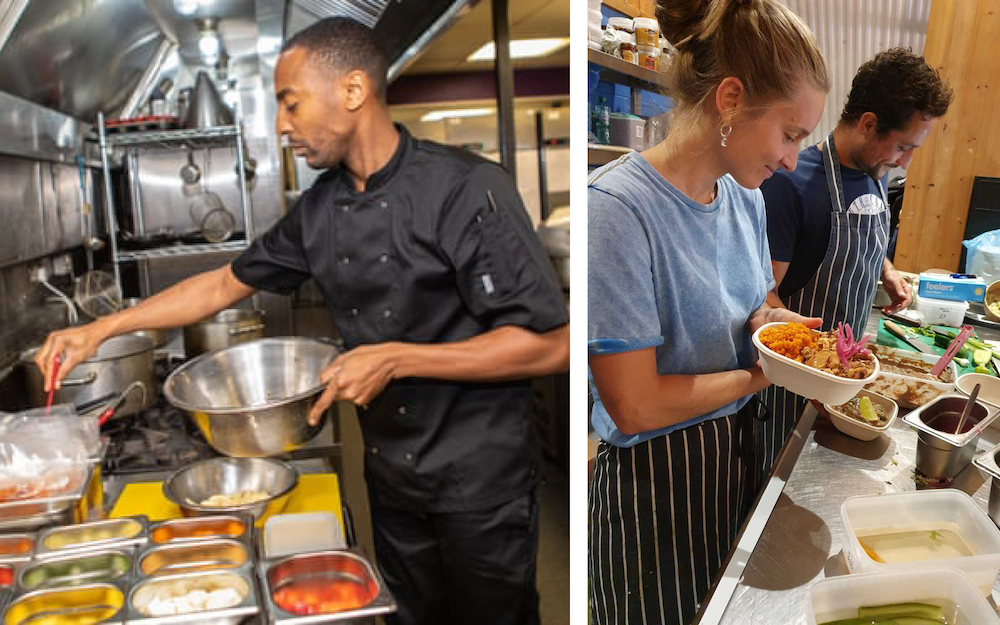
pixel 184 303
pixel 506 353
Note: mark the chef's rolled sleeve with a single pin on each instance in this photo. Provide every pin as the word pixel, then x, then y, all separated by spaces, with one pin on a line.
pixel 504 275
pixel 276 260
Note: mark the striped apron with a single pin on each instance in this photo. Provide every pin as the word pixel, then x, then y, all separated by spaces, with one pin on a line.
pixel 663 516
pixel 842 290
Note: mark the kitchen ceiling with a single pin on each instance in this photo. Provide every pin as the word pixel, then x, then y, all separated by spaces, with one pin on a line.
pixel 529 19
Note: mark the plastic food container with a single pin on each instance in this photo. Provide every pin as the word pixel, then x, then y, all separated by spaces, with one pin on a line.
pixel 628 49
pixel 649 57
pixel 909 391
pixel 647 32
pixel 628 131
pixel 987 462
pixel 623 24
pixel 941 312
pixel 923 510
pixel 287 534
pixel 840 597
pixel 804 380
pixel 859 429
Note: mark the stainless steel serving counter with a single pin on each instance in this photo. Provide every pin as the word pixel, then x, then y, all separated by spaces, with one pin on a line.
pixel 793 537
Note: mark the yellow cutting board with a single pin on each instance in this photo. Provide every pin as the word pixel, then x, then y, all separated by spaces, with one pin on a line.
pixel 316 492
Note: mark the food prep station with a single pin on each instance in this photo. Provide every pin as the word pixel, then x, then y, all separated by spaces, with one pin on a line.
pixel 793 559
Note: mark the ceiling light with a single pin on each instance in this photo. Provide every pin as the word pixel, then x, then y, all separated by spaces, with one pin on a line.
pixel 187 7
pixel 436 116
pixel 521 49
pixel 208 44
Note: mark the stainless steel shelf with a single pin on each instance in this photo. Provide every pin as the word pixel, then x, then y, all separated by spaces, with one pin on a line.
pixel 174 251
pixel 623 72
pixel 174 138
pixel 598 155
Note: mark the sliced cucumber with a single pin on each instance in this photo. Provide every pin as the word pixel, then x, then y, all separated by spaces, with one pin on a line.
pixel 899 610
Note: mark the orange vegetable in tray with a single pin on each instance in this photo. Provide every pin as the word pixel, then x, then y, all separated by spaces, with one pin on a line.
pixel 6 576
pixel 321 596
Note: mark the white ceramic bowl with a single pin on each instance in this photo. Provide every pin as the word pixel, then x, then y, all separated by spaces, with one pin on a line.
pixel 859 429
pixel 804 380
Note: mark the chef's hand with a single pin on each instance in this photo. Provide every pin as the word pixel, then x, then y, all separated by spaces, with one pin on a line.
pixel 75 344
pixel 898 290
pixel 766 314
pixel 357 376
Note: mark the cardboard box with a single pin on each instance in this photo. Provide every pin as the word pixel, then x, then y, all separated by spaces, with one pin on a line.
pixel 647 8
pixel 954 287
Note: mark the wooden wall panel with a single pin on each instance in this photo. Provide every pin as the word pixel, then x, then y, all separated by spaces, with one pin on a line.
pixel 963 42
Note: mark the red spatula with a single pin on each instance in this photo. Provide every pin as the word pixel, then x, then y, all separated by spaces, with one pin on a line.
pixel 52 388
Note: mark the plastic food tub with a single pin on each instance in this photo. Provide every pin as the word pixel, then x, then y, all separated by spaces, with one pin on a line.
pixel 989 391
pixel 928 509
pixel 859 429
pixel 840 597
pixel 804 380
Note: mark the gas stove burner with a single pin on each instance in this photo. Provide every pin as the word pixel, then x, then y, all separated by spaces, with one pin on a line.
pixel 160 438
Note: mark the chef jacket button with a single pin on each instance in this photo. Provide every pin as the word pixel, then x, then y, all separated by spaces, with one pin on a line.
pixel 374 451
pixel 409 457
pixel 355 312
pixel 383 204
pixel 387 313
pixel 402 410
pixel 345 259
pixel 384 258
pixel 345 208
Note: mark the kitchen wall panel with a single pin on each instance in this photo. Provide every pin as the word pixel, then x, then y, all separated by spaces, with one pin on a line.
pixel 851 32
pixel 961 42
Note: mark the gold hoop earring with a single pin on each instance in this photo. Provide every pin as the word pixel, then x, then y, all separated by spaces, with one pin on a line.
pixel 725 131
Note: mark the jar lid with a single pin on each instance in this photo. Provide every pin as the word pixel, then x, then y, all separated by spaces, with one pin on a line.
pixel 646 22
pixel 620 22
pixel 651 50
pixel 630 38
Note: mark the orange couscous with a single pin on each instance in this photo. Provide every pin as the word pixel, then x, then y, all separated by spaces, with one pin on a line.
pixel 788 340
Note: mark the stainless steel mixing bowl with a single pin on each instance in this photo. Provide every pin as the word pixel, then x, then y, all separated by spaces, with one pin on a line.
pixel 253 399
pixel 189 486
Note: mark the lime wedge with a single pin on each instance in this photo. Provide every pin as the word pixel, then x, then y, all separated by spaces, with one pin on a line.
pixel 867 409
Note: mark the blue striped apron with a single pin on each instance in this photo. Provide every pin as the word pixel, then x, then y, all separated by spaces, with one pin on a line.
pixel 843 289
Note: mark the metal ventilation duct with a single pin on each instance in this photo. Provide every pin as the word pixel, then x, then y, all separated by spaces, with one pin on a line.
pixel 367 12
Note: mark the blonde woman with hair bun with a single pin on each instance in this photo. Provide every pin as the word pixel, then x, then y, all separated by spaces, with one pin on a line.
pixel 678 272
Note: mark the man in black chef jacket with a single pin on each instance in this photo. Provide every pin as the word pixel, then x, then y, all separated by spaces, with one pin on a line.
pixel 430 267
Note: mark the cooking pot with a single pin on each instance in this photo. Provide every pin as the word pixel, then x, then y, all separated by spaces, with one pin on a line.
pixel 119 362
pixel 229 327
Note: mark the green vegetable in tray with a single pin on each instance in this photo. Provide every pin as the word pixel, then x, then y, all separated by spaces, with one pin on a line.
pixel 896 614
pixel 982 357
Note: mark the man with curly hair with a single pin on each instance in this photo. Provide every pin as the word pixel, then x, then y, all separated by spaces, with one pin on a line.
pixel 828 218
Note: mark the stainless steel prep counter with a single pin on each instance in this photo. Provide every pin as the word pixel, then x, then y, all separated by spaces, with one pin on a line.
pixel 793 536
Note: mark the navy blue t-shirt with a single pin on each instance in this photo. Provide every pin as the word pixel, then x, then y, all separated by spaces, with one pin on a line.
pixel 798 214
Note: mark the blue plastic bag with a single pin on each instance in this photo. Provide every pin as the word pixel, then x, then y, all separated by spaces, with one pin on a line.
pixel 983 258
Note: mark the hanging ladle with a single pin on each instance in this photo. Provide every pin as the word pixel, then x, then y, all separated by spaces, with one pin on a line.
pixel 190 173
pixel 968 409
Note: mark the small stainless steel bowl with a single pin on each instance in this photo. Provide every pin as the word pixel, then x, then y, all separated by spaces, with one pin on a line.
pixel 189 486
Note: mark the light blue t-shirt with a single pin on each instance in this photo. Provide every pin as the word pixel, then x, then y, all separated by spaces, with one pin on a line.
pixel 665 271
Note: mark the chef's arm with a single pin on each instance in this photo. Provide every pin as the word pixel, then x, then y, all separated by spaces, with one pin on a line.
pixel 639 399
pixel 184 303
pixel 779 269
pixel 506 353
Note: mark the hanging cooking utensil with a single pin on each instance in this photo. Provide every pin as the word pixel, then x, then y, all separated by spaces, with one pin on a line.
pixel 190 173
pixel 208 212
pixel 98 294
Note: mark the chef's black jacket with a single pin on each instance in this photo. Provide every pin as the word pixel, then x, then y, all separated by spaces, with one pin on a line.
pixel 423 256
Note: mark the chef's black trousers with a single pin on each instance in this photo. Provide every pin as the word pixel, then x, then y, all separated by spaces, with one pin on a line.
pixel 463 567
